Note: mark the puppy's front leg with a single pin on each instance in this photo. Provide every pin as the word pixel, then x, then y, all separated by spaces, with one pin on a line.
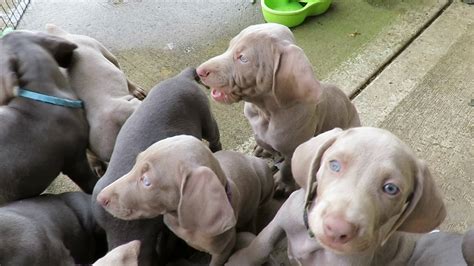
pixel 211 133
pixel 219 259
pixel 81 173
pixel 284 182
pixel 259 250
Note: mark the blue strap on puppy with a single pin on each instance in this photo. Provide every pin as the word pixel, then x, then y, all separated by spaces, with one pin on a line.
pixel 50 99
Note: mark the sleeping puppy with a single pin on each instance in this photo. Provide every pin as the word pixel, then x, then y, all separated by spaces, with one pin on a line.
pixel 284 102
pixel 370 188
pixel 205 198
pixel 96 77
pixel 175 106
pixel 39 139
pixel 50 230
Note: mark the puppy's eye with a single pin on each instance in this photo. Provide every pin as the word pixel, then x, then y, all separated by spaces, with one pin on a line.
pixel 335 165
pixel 146 181
pixel 243 59
pixel 391 189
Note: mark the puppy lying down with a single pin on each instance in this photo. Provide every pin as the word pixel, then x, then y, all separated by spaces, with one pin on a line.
pixel 361 189
pixel 204 198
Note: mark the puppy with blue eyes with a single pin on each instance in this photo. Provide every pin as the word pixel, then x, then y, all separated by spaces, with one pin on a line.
pixel 205 198
pixel 361 188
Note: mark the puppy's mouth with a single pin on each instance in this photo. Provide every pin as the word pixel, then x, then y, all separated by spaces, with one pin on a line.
pixel 221 96
pixel 121 213
pixel 351 247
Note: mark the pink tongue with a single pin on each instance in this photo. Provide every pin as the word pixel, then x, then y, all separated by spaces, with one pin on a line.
pixel 217 95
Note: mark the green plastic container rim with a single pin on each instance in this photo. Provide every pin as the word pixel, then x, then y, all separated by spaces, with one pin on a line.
pixel 6 31
pixel 286 13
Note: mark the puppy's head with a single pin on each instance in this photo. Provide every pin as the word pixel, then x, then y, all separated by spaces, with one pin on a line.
pixel 262 61
pixel 126 254
pixel 60 48
pixel 177 175
pixel 22 53
pixel 369 184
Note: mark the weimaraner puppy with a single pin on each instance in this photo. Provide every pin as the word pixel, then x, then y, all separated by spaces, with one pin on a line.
pixel 175 106
pixel 96 77
pixel 441 248
pixel 124 255
pixel 284 102
pixel 44 136
pixel 50 230
pixel 204 198
pixel 370 188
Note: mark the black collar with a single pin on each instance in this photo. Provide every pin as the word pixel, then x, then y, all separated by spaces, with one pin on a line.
pixel 310 195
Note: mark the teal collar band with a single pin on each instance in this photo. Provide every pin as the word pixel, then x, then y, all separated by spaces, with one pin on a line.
pixel 50 99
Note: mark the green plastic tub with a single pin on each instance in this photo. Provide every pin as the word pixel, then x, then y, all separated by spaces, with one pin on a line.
pixel 292 13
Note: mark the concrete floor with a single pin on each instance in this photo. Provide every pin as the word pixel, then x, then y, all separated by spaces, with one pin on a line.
pixel 424 97
pixel 405 73
pixel 154 40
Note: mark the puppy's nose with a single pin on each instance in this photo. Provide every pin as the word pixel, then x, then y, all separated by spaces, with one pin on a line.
pixel 338 229
pixel 202 72
pixel 103 200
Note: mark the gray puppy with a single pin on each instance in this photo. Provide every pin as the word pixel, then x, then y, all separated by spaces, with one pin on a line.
pixel 39 140
pixel 176 106
pixel 441 248
pixel 50 230
pixel 284 102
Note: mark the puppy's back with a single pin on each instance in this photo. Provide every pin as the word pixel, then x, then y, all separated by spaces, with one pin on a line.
pixel 42 231
pixel 175 106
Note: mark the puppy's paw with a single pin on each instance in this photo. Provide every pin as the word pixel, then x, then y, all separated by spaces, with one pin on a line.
pixel 215 146
pixel 98 166
pixel 284 186
pixel 260 152
pixel 139 93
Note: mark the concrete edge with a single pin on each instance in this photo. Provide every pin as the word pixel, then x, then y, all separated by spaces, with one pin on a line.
pixel 355 73
pixel 403 74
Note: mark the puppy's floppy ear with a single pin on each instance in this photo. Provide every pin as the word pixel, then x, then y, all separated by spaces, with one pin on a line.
pixel 8 77
pixel 425 210
pixel 307 156
pixel 293 77
pixel 204 206
pixel 60 48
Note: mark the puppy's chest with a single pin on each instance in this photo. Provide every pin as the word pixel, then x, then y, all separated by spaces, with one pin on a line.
pixel 274 129
pixel 301 247
pixel 194 238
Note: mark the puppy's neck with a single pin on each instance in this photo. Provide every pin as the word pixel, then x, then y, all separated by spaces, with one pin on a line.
pixel 397 250
pixel 45 77
pixel 267 106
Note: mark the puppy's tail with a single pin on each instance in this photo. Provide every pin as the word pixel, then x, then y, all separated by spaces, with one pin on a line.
pixel 190 73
